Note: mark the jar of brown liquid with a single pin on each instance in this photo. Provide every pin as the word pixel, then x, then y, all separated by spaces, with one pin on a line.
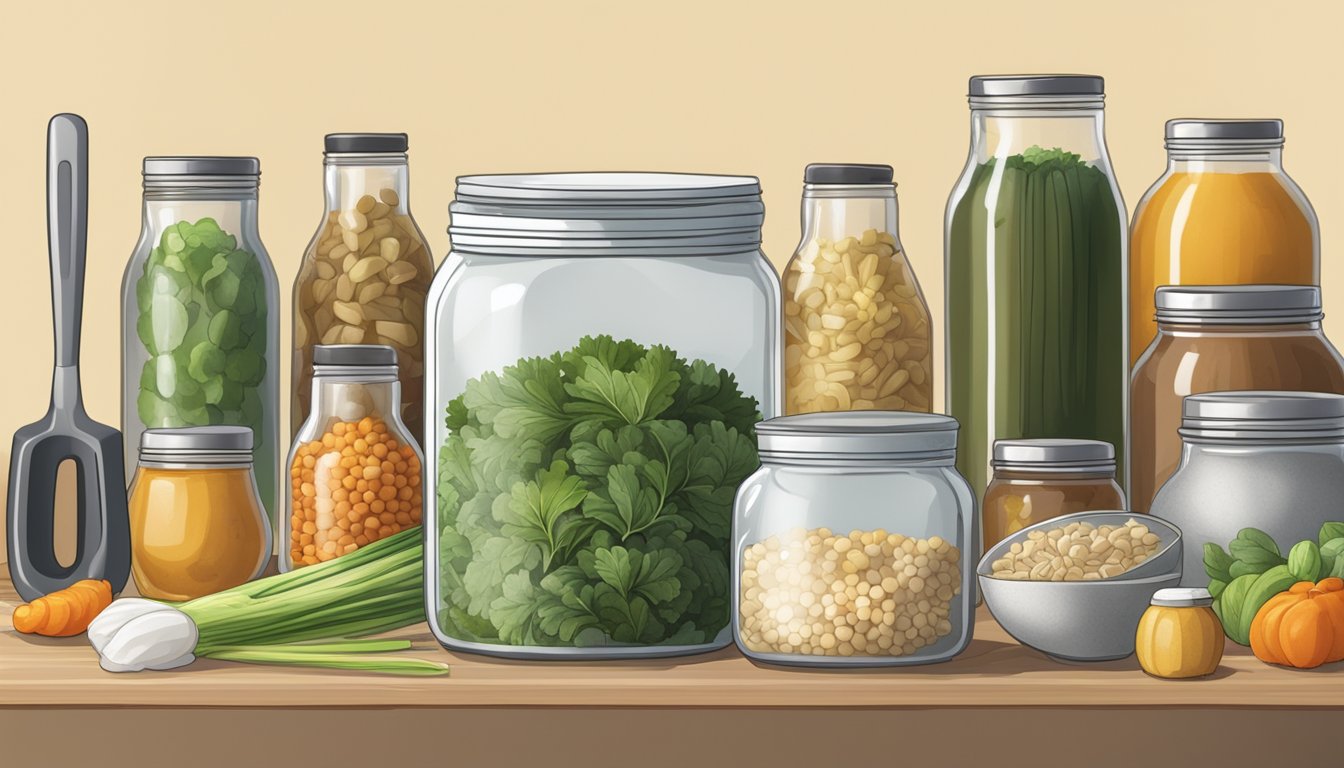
pixel 1217 339
pixel 1035 480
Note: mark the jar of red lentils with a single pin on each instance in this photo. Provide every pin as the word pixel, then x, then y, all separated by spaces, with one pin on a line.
pixel 354 470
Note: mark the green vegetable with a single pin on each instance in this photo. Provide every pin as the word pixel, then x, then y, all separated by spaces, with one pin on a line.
pixel 1217 562
pixel 585 498
pixel 1330 553
pixel 1229 606
pixel 1330 531
pixel 1216 587
pixel 1304 561
pixel 1265 586
pixel 202 322
pixel 374 589
pixel 1255 548
pixel 1035 270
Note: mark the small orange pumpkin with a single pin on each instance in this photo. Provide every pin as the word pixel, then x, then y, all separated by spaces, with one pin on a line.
pixel 1302 627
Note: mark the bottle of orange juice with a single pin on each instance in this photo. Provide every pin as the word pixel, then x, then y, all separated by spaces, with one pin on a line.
pixel 1224 213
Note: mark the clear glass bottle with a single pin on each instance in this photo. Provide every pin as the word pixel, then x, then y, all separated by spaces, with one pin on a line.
pixel 200 323
pixel 583 316
pixel 1223 213
pixel 1036 480
pixel 197 523
pixel 355 472
pixel 857 334
pixel 1035 271
pixel 1267 460
pixel 873 495
pixel 1215 339
pixel 364 276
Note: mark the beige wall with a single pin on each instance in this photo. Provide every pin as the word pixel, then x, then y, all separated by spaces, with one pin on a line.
pixel 693 85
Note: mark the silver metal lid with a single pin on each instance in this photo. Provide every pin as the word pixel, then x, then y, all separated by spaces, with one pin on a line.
pixel 197 445
pixel 857 435
pixel 1262 415
pixel 1238 304
pixel 1037 85
pixel 1054 455
pixel 202 165
pixel 201 177
pixel 587 213
pixel 1215 135
pixel 363 361
pixel 1182 597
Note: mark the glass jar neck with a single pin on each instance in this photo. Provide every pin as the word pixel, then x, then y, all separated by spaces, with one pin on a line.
pixel 347 178
pixel 1055 478
pixel 1226 159
pixel 1257 329
pixel 1007 132
pixel 351 398
pixel 834 212
pixel 235 214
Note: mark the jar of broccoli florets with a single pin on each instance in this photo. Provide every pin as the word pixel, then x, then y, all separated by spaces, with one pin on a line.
pixel 199 323
pixel 600 349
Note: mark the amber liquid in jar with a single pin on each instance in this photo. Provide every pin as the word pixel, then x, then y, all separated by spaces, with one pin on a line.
pixel 195 532
pixel 1193 359
pixel 1016 499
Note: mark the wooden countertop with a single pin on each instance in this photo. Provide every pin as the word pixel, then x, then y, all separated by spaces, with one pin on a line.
pixel 994 671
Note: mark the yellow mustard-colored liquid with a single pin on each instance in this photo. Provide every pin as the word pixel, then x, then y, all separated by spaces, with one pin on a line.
pixel 1216 229
pixel 195 531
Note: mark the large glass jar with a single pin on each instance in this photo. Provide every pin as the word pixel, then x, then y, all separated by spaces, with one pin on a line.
pixel 200 326
pixel 1036 480
pixel 856 327
pixel 601 346
pixel 197 523
pixel 355 472
pixel 365 274
pixel 1267 460
pixel 855 542
pixel 1224 213
pixel 1214 339
pixel 1035 271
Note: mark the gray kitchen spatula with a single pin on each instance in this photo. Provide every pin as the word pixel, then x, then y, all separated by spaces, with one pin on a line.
pixel 66 432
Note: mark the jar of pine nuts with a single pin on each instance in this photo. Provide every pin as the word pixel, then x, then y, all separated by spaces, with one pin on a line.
pixel 857 334
pixel 851 542
pixel 354 469
pixel 365 274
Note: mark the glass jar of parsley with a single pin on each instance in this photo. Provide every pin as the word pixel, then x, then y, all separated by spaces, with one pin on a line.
pixel 200 327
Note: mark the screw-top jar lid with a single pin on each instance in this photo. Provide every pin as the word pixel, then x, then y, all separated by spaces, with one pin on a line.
pixel 196 445
pixel 595 213
pixel 857 435
pixel 1182 597
pixel 1037 91
pixel 1262 415
pixel 366 143
pixel 1198 134
pixel 1238 304
pixel 1054 455
pixel 362 360
pixel 848 173
pixel 202 173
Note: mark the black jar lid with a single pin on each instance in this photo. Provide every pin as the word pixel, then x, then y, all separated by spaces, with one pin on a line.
pixel 366 143
pixel 848 173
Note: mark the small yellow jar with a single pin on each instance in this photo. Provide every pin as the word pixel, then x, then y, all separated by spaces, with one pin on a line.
pixel 197 522
pixel 1179 635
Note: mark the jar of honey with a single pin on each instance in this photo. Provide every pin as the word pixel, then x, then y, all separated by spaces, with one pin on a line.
pixel 1035 480
pixel 1179 635
pixel 197 521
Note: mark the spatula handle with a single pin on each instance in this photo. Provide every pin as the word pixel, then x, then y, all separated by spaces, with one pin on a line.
pixel 67 228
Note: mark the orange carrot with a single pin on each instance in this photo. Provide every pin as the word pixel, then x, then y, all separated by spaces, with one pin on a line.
pixel 66 611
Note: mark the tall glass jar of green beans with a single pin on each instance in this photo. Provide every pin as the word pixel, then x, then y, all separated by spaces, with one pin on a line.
pixel 199 325
pixel 1036 271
